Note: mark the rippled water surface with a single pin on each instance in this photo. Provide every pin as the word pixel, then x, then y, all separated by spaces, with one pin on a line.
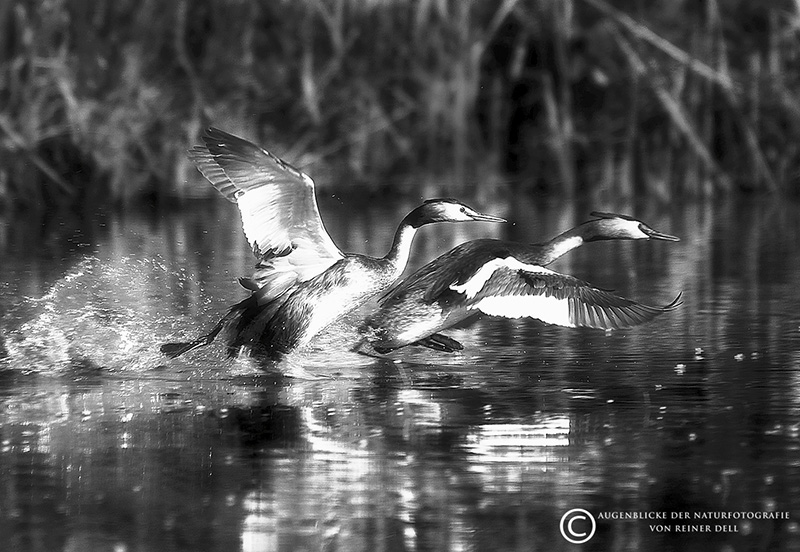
pixel 107 445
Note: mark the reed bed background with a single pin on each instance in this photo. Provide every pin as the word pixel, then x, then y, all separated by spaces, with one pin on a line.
pixel 100 100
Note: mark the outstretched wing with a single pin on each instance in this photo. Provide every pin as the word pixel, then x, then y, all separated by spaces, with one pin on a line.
pixel 506 287
pixel 279 210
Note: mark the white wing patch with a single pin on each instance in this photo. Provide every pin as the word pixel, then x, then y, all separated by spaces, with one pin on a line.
pixel 261 226
pixel 547 309
pixel 475 284
pixel 276 200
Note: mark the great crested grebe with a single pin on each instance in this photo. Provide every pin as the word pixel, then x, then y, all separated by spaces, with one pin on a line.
pixel 503 278
pixel 302 281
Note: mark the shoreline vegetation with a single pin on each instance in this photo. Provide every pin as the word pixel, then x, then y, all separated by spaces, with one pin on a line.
pixel 99 101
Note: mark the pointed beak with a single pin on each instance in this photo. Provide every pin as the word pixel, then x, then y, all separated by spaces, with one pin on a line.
pixel 482 217
pixel 656 235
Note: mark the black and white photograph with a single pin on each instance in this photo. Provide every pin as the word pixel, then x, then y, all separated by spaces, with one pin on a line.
pixel 399 276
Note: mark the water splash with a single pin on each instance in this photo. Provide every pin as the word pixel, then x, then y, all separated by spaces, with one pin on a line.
pixel 103 314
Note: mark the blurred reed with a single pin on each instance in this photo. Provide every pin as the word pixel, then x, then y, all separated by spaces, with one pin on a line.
pixel 99 101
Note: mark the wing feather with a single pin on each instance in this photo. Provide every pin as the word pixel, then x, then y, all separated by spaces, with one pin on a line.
pixel 555 298
pixel 279 210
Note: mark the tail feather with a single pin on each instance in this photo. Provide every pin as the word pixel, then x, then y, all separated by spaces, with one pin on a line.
pixel 251 319
pixel 242 325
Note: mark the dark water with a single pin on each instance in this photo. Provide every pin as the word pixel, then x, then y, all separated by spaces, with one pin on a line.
pixel 106 445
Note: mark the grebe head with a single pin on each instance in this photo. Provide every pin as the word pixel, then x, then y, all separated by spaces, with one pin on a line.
pixel 623 227
pixel 446 210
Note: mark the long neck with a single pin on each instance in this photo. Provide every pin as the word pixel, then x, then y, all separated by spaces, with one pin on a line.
pixel 397 257
pixel 572 238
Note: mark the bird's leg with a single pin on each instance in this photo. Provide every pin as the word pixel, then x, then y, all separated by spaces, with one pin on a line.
pixel 173 350
pixel 439 342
